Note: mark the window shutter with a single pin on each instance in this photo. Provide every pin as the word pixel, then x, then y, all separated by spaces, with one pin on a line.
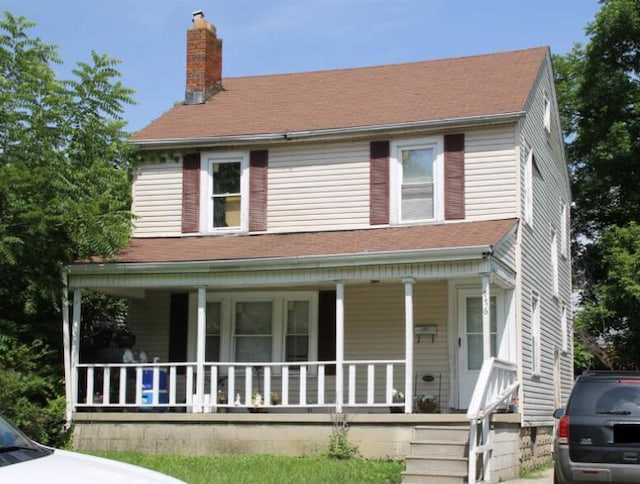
pixel 258 166
pixel 454 177
pixel 379 183
pixel 178 324
pixel 327 329
pixel 191 193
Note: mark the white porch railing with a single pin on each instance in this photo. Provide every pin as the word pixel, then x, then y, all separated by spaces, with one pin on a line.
pixel 248 385
pixel 495 387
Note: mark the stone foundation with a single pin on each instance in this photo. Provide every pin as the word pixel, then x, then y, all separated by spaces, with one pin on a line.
pixel 536 446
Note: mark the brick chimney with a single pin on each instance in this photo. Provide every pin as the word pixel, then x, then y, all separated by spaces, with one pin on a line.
pixel 204 61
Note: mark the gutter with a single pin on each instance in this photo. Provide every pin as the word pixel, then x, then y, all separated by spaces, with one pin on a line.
pixel 312 262
pixel 327 133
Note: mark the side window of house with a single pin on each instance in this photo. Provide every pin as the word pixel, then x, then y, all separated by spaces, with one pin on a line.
pixel 547 112
pixel 536 348
pixel 564 224
pixel 253 331
pixel 564 328
pixel 527 186
pixel 214 321
pixel 554 262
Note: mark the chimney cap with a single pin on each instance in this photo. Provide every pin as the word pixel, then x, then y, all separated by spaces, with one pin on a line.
pixel 197 14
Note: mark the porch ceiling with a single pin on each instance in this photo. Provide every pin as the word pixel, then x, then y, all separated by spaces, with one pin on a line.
pixel 352 243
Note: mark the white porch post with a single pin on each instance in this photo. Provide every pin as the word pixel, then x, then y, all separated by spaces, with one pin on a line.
pixel 339 345
pixel 486 317
pixel 408 345
pixel 66 348
pixel 200 346
pixel 75 346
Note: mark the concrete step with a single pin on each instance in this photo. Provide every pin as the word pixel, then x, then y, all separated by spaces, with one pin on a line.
pixel 438 448
pixel 436 465
pixel 421 478
pixel 451 433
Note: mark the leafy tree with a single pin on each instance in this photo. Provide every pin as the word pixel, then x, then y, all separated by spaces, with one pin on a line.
pixel 599 98
pixel 65 171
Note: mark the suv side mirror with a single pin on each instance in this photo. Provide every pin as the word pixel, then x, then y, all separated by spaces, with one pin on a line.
pixel 558 413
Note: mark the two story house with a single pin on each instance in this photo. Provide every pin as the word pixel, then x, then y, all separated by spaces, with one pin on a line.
pixel 348 243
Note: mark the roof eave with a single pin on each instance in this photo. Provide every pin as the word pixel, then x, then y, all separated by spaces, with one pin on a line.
pixel 448 254
pixel 349 132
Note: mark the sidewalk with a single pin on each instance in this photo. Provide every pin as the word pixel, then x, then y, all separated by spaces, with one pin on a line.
pixel 546 478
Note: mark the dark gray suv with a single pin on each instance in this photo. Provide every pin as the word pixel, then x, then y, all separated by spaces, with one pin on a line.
pixel 598 435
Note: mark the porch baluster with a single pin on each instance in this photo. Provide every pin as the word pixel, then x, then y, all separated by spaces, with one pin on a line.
pixel 231 384
pixel 303 385
pixel 106 385
pixel 285 385
pixel 389 388
pixel 89 396
pixel 172 385
pixel 352 384
pixel 122 397
pixel 248 375
pixel 189 388
pixel 321 385
pixel 138 385
pixel 267 385
pixel 371 375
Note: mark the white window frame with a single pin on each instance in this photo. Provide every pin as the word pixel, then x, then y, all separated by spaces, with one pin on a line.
pixel 546 106
pixel 564 225
pixel 396 148
pixel 208 159
pixel 527 185
pixel 536 343
pixel 564 328
pixel 553 249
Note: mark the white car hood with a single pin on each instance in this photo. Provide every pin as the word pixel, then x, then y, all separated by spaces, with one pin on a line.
pixel 63 467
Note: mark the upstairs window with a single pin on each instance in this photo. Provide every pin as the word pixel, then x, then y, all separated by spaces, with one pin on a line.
pixel 226 201
pixel 527 186
pixel 417 180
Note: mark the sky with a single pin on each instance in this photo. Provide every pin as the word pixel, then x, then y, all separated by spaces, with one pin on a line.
pixel 279 36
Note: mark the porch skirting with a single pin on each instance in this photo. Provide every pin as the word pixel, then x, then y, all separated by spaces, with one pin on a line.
pixel 376 435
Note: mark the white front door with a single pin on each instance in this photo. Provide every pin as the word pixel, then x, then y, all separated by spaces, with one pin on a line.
pixel 470 345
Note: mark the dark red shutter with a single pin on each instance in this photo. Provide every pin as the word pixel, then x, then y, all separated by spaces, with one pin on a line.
pixel 379 183
pixel 258 166
pixel 454 177
pixel 178 324
pixel 191 193
pixel 327 329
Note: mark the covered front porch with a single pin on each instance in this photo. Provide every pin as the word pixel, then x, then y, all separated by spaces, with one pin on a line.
pixel 366 331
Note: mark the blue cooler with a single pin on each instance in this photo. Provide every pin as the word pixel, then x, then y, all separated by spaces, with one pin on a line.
pixel 147 390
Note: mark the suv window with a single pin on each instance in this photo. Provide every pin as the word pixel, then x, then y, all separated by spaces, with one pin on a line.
pixel 617 396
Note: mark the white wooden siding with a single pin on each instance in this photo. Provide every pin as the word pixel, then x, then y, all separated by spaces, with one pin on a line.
pixel 490 173
pixel 550 189
pixel 157 199
pixel 319 187
pixel 375 328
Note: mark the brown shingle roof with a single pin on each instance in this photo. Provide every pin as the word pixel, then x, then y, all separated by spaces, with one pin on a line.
pixel 462 87
pixel 352 242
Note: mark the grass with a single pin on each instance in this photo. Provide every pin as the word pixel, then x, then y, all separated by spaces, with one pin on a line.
pixel 537 472
pixel 265 469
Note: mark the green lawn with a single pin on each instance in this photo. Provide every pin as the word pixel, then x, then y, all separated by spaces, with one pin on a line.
pixel 265 468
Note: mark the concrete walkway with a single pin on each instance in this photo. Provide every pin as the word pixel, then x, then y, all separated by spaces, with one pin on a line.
pixel 546 478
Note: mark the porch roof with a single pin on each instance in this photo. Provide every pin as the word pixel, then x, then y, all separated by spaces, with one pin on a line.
pixel 312 244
